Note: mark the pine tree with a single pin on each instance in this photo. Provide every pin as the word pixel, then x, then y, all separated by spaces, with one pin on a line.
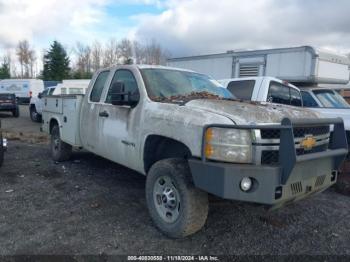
pixel 5 71
pixel 56 63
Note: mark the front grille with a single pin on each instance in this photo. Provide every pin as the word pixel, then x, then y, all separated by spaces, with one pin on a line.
pixel 270 157
pixel 296 188
pixel 298 132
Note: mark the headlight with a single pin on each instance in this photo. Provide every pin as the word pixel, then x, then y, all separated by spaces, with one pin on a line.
pixel 228 145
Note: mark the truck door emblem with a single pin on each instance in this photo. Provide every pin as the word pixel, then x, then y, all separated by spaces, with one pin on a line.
pixel 308 142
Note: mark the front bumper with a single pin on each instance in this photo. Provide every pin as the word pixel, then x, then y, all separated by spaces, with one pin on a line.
pixel 224 180
pixel 294 178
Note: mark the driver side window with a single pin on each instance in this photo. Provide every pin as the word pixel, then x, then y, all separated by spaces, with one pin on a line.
pixel 126 77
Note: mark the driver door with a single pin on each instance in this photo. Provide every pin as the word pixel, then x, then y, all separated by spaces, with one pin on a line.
pixel 117 123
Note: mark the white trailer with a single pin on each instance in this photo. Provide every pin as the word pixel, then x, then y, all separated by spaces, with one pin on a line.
pixel 304 65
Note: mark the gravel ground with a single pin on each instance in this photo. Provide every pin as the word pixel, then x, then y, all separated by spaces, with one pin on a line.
pixel 92 206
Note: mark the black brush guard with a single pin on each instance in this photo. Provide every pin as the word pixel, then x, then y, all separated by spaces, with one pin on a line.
pixel 287 152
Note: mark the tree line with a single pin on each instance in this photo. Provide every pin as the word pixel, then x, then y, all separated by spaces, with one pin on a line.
pixel 81 61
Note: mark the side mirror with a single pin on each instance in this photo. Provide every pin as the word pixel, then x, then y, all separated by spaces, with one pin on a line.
pixel 40 95
pixel 120 97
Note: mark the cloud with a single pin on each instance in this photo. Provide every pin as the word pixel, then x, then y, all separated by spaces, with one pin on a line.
pixel 205 26
pixel 40 19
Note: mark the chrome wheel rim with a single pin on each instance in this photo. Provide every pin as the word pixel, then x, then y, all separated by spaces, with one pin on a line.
pixel 166 199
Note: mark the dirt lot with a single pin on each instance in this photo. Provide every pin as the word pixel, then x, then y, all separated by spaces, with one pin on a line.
pixel 92 206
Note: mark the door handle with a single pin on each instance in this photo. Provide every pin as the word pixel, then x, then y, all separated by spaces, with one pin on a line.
pixel 103 114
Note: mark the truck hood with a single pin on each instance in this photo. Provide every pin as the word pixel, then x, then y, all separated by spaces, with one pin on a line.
pixel 251 112
pixel 344 113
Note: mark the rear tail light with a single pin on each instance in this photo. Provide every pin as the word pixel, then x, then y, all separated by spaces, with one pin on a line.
pixel 30 93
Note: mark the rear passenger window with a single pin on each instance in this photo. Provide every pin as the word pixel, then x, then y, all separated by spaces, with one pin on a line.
pixel 283 94
pixel 242 89
pixel 97 89
pixel 278 94
pixel 295 97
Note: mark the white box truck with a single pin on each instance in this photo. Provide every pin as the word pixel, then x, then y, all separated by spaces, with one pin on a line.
pixel 305 65
pixel 24 89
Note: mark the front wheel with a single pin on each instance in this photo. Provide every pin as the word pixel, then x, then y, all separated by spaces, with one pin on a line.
pixel 60 150
pixel 177 208
pixel 34 115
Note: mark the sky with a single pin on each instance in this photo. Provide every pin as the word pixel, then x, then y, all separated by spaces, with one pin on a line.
pixel 183 27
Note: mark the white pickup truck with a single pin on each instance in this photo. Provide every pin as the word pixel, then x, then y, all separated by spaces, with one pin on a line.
pixel 263 89
pixel 329 103
pixel 190 138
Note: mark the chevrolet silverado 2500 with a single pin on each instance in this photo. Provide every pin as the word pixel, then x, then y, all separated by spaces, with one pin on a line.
pixel 190 137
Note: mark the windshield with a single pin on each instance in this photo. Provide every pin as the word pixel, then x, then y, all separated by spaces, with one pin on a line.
pixel 330 98
pixel 165 84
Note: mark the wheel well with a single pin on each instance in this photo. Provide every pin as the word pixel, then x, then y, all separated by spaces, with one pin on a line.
pixel 160 147
pixel 53 122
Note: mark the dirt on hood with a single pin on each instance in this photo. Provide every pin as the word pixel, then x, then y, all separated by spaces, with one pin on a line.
pixel 252 112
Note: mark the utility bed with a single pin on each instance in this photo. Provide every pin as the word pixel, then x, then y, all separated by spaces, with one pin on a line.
pixel 66 110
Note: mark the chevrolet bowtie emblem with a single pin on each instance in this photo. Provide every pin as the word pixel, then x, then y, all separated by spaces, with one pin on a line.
pixel 308 142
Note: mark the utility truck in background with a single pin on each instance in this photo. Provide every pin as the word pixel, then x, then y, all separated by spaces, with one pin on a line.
pixel 190 137
pixel 70 87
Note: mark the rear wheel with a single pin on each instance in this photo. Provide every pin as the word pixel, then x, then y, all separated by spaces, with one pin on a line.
pixel 177 208
pixel 34 116
pixel 60 150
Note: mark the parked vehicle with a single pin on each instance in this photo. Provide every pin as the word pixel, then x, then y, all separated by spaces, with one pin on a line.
pixel 24 89
pixel 329 103
pixel 190 138
pixel 8 102
pixel 67 87
pixel 263 89
pixel 304 65
pixel 36 104
pixel 72 87
pixel 3 147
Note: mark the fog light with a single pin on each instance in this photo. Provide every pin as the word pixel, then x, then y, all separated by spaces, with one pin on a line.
pixel 246 184
pixel 4 143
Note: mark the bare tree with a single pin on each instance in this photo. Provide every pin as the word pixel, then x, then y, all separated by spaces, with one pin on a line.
pixel 83 53
pixel 126 51
pixel 31 61
pixel 96 55
pixel 26 57
pixel 154 53
pixel 110 54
